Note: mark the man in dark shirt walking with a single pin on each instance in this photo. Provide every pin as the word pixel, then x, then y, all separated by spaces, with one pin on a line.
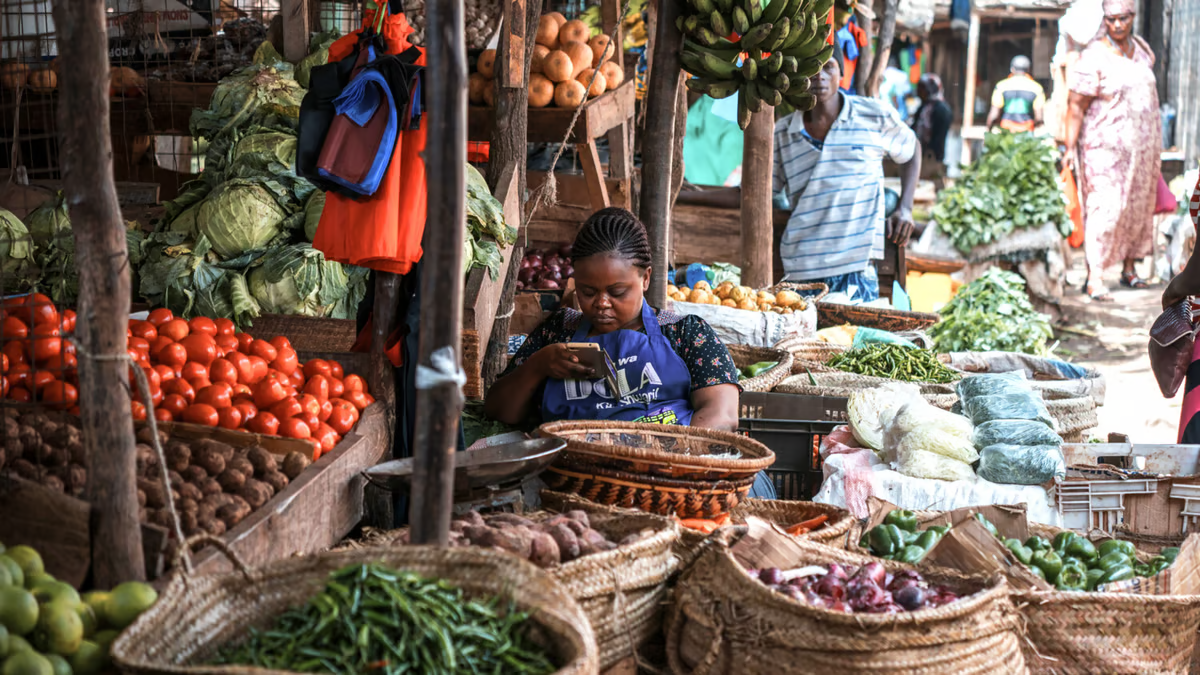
pixel 932 124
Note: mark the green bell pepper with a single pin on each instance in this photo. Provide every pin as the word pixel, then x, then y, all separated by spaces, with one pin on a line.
pixel 911 555
pixel 1170 553
pixel 940 529
pixel 1061 540
pixel 1114 559
pixel 1121 573
pixel 987 524
pixel 1093 578
pixel 1022 553
pixel 1072 560
pixel 1141 570
pixel 1037 571
pixel 1049 562
pixel 928 539
pixel 1037 543
pixel 1083 549
pixel 865 540
pixel 1159 564
pixel 903 519
pixel 1121 545
pixel 1072 578
pixel 886 540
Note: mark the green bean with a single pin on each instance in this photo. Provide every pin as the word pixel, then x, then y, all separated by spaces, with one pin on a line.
pixel 894 362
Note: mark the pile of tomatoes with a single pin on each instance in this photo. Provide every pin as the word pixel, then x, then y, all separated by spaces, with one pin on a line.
pixel 200 371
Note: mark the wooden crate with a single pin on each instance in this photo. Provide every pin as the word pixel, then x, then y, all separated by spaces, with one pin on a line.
pixel 549 125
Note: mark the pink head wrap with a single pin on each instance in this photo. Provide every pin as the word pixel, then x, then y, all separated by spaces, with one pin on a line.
pixel 1119 7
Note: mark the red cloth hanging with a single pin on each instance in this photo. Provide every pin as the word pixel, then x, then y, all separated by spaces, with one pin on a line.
pixel 384 231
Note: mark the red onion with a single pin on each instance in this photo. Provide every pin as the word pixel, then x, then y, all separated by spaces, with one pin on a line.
pixel 553 273
pixel 910 597
pixel 568 271
pixel 548 285
pixel 526 275
pixel 873 572
pixel 520 285
pixel 534 259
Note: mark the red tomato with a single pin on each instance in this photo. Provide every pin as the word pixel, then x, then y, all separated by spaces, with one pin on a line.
pixel 336 388
pixel 156 397
pixel 269 392
pixel 229 418
pixel 264 423
pixel 71 375
pixel 327 437
pixel 144 330
pixel 139 411
pixel 3 386
pixel 294 428
pixel 3 363
pixel 245 340
pixel 164 373
pixel 354 383
pixel 68 322
pixel 358 398
pixel 140 344
pixel 163 415
pixel 311 421
pixel 20 395
pixel 174 404
pixel 60 362
pixel 180 386
pixel 13 329
pixel 264 350
pixel 288 363
pixel 326 411
pixel 203 324
pixel 194 371
pixel 159 316
pixel 40 379
pixel 318 388
pixel 344 416
pixel 60 395
pixel 214 395
pixel 296 379
pixel 41 309
pixel 259 370
pixel 247 409
pixel 158 344
pixel 227 343
pixel 152 378
pixel 225 327
pixel 288 407
pixel 240 389
pixel 201 348
pixel 176 329
pixel 281 343
pixel 335 369
pixel 74 410
pixel 173 356
pixel 200 383
pixel 242 365
pixel 317 367
pixel 223 371
pixel 19 375
pixel 200 413
pixel 309 404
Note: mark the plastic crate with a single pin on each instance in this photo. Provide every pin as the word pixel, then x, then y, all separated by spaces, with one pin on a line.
pixel 797 472
pixel 1097 504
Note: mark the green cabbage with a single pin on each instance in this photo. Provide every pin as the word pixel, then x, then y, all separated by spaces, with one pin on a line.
pixel 257 95
pixel 187 278
pixel 50 224
pixel 297 279
pixel 312 214
pixel 16 253
pixel 239 217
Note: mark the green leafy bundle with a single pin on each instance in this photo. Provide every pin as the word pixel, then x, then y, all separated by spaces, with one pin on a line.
pixel 487 233
pixel 1013 185
pixel 992 313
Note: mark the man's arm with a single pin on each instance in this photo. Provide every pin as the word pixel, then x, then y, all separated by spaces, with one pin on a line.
pixel 1039 107
pixel 993 117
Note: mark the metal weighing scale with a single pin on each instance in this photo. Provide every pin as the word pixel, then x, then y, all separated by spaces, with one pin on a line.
pixel 491 478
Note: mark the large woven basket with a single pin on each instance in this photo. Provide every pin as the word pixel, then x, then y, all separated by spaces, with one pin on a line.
pixel 1075 415
pixel 809 351
pixel 812 292
pixel 623 591
pixel 195 616
pixel 657 450
pixel 681 498
pixel 893 320
pixel 843 384
pixel 745 355
pixel 724 622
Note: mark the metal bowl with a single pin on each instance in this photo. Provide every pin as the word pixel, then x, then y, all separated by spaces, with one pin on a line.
pixel 474 469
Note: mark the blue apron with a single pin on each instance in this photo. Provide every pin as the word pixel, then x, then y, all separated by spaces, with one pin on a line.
pixel 656 385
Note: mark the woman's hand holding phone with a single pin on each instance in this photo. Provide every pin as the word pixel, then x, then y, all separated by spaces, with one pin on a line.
pixel 560 363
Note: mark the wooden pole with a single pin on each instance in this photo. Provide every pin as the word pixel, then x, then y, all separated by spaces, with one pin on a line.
pixel 377 503
pixel 103 263
pixel 658 143
pixel 296 28
pixel 969 97
pixel 757 227
pixel 866 57
pixel 887 33
pixel 439 384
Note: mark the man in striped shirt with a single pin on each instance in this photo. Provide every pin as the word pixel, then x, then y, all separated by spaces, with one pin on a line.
pixel 829 162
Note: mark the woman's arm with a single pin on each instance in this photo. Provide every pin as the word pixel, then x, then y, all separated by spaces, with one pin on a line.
pixel 1185 283
pixel 716 407
pixel 1077 105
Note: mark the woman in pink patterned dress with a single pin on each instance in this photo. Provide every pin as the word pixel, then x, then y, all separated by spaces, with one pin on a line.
pixel 1114 138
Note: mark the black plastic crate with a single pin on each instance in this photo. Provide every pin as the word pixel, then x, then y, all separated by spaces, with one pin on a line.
pixel 797 472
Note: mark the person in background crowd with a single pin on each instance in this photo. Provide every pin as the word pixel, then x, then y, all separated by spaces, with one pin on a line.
pixel 895 87
pixel 1017 100
pixel 1114 139
pixel 931 125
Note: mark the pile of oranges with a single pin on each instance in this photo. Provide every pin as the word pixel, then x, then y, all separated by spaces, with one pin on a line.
pixel 200 371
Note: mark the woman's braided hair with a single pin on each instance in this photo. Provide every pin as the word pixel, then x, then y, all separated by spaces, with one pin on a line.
pixel 614 231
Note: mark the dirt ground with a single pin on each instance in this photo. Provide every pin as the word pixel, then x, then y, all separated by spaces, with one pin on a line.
pixel 1112 337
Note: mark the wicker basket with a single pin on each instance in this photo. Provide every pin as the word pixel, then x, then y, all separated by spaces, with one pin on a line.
pixel 657 450
pixel 810 350
pixel 195 616
pixel 1075 415
pixel 745 355
pixel 812 292
pixel 681 498
pixel 842 384
pixel 725 622
pixel 783 514
pixel 893 320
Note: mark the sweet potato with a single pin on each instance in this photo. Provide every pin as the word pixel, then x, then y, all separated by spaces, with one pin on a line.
pixel 580 516
pixel 262 460
pixel 231 480
pixel 255 492
pixel 568 543
pixel 513 539
pixel 576 526
pixel 544 550
pixel 473 518
pixel 295 463
pixel 592 541
pixel 508 519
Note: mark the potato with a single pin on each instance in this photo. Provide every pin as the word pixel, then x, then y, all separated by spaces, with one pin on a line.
pixel 568 543
pixel 57 457
pixel 581 516
pixel 262 460
pixel 231 480
pixel 232 514
pixel 179 456
pixel 53 482
pixel 241 465
pixel 210 486
pixel 256 493
pixel 175 479
pixel 65 436
pixel 508 519
pixel 543 550
pixel 147 460
pixel 188 505
pixel 212 462
pixel 156 496
pixel 294 463
pixel 277 481
pixel 213 526
pixel 194 474
pixel 141 497
pixel 11 428
pixel 73 476
pixel 78 452
pixel 191 491
pixel 188 521
pixel 207 445
pixel 162 518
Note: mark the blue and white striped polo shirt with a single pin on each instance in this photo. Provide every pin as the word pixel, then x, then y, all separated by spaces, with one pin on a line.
pixel 836 187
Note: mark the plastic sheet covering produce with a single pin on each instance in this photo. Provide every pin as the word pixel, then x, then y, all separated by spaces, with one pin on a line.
pixel 1014 432
pixel 1022 465
pixel 924 464
pixel 869 409
pixel 992 384
pixel 1015 406
pixel 920 426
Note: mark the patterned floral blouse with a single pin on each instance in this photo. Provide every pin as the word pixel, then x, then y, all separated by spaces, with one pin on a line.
pixel 691 337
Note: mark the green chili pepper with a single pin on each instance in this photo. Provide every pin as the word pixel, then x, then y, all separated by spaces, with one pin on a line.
pixel 1049 562
pixel 1022 553
pixel 1094 576
pixel 1170 553
pixel 1142 570
pixel 911 555
pixel 903 519
pixel 1121 573
pixel 1072 578
pixel 1038 543
pixel 1083 549
pixel 1114 559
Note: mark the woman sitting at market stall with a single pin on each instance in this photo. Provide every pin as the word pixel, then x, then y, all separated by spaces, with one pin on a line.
pixel 675 367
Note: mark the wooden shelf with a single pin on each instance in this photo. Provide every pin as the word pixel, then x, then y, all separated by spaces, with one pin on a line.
pixel 548 125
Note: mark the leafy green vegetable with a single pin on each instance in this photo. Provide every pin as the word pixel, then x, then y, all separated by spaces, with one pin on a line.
pixel 1013 185
pixel 50 224
pixel 189 279
pixel 239 216
pixel 297 279
pixel 261 94
pixel 992 313
pixel 312 214
pixel 487 233
pixel 476 424
pixel 16 252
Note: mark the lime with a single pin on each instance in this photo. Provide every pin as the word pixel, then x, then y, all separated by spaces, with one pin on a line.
pixel 18 610
pixel 36 579
pixel 105 638
pixel 54 591
pixel 87 616
pixel 95 600
pixel 126 602
pixel 3 643
pixel 27 558
pixel 90 659
pixel 5 576
pixel 16 643
pixel 14 570
pixel 59 629
pixel 59 664
pixel 27 663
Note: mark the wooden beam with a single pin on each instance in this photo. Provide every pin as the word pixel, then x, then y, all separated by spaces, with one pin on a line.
pixel 757 162
pixel 102 258
pixel 657 145
pixel 385 318
pixel 296 29
pixel 887 33
pixel 440 401
pixel 589 158
pixel 972 73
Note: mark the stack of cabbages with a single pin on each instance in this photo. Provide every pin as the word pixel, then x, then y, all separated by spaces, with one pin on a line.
pixel 1014 432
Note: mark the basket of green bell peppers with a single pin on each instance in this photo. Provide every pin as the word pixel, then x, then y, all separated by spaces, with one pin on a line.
pixel 897 538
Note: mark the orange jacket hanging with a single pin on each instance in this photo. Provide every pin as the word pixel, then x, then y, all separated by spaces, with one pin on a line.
pixel 382 232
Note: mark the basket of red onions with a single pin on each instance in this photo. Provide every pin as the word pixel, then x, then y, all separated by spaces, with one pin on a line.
pixel 838 611
pixel 543 270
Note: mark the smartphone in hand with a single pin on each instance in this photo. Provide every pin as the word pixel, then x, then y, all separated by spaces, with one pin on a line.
pixel 593 356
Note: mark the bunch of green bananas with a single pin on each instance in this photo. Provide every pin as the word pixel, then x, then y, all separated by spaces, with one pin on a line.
pixel 781 46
